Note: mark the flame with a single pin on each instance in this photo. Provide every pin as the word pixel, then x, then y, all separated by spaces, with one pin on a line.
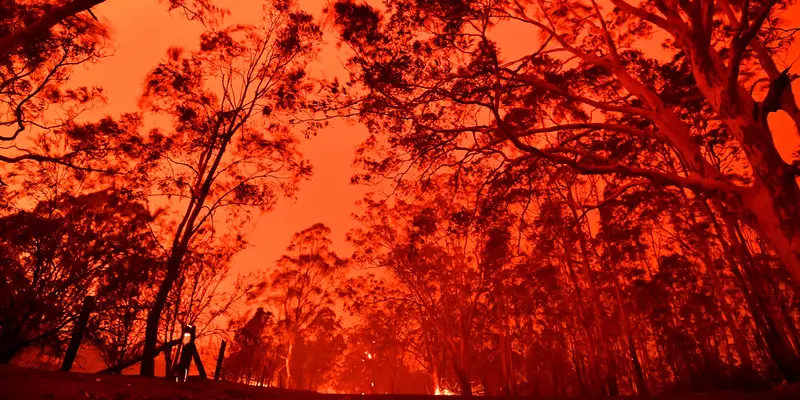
pixel 369 356
pixel 442 392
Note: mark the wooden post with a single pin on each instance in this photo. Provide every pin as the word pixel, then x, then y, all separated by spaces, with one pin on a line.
pixel 220 358
pixel 77 333
pixel 199 364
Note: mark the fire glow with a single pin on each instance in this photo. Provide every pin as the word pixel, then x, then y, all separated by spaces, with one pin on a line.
pixel 443 392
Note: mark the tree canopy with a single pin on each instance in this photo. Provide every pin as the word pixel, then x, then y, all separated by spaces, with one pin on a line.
pixel 596 204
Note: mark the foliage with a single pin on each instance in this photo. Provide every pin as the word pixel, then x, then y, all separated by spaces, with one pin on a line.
pixel 48 275
pixel 232 151
pixel 598 210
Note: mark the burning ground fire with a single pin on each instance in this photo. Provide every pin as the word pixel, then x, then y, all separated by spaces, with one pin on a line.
pixel 438 391
pixel 443 392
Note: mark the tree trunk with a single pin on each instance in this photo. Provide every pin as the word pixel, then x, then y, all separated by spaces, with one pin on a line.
pixel 790 330
pixel 8 340
pixel 776 205
pixel 460 357
pixel 220 359
pixel 647 363
pixel 271 371
pixel 584 386
pixel 641 386
pixel 464 383
pixel 147 367
pixel 434 375
pixel 289 364
pixel 739 341
pixel 79 330
pixel 605 368
pixel 590 381
pixel 773 199
pixel 505 346
pixel 180 245
pixel 786 361
pixel 169 368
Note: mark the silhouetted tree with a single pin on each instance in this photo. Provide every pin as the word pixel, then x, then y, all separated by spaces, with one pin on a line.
pixel 301 290
pixel 37 111
pixel 29 22
pixel 63 250
pixel 584 96
pixel 444 257
pixel 231 151
pixel 255 352
pixel 206 295
pixel 317 351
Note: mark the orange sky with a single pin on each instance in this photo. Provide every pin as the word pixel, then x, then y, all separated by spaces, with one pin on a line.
pixel 141 32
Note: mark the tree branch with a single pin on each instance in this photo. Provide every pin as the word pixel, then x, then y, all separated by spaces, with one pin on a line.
pixel 742 40
pixel 13 41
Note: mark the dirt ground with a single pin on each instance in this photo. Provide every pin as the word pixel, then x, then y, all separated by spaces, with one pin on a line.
pixel 25 383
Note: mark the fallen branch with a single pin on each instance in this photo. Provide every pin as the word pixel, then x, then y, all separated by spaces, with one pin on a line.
pixel 118 368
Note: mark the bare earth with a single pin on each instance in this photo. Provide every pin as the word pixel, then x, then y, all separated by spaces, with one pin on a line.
pixel 26 383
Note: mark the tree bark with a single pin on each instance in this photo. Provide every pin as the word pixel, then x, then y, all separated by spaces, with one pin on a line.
pixel 773 199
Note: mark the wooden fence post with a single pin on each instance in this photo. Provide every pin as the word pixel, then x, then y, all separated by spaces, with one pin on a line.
pixel 199 364
pixel 220 358
pixel 77 333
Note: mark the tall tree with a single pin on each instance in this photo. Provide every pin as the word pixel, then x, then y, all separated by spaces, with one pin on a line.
pixel 47 275
pixel 302 289
pixel 206 295
pixel 443 256
pixel 583 88
pixel 231 149
pixel 255 352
